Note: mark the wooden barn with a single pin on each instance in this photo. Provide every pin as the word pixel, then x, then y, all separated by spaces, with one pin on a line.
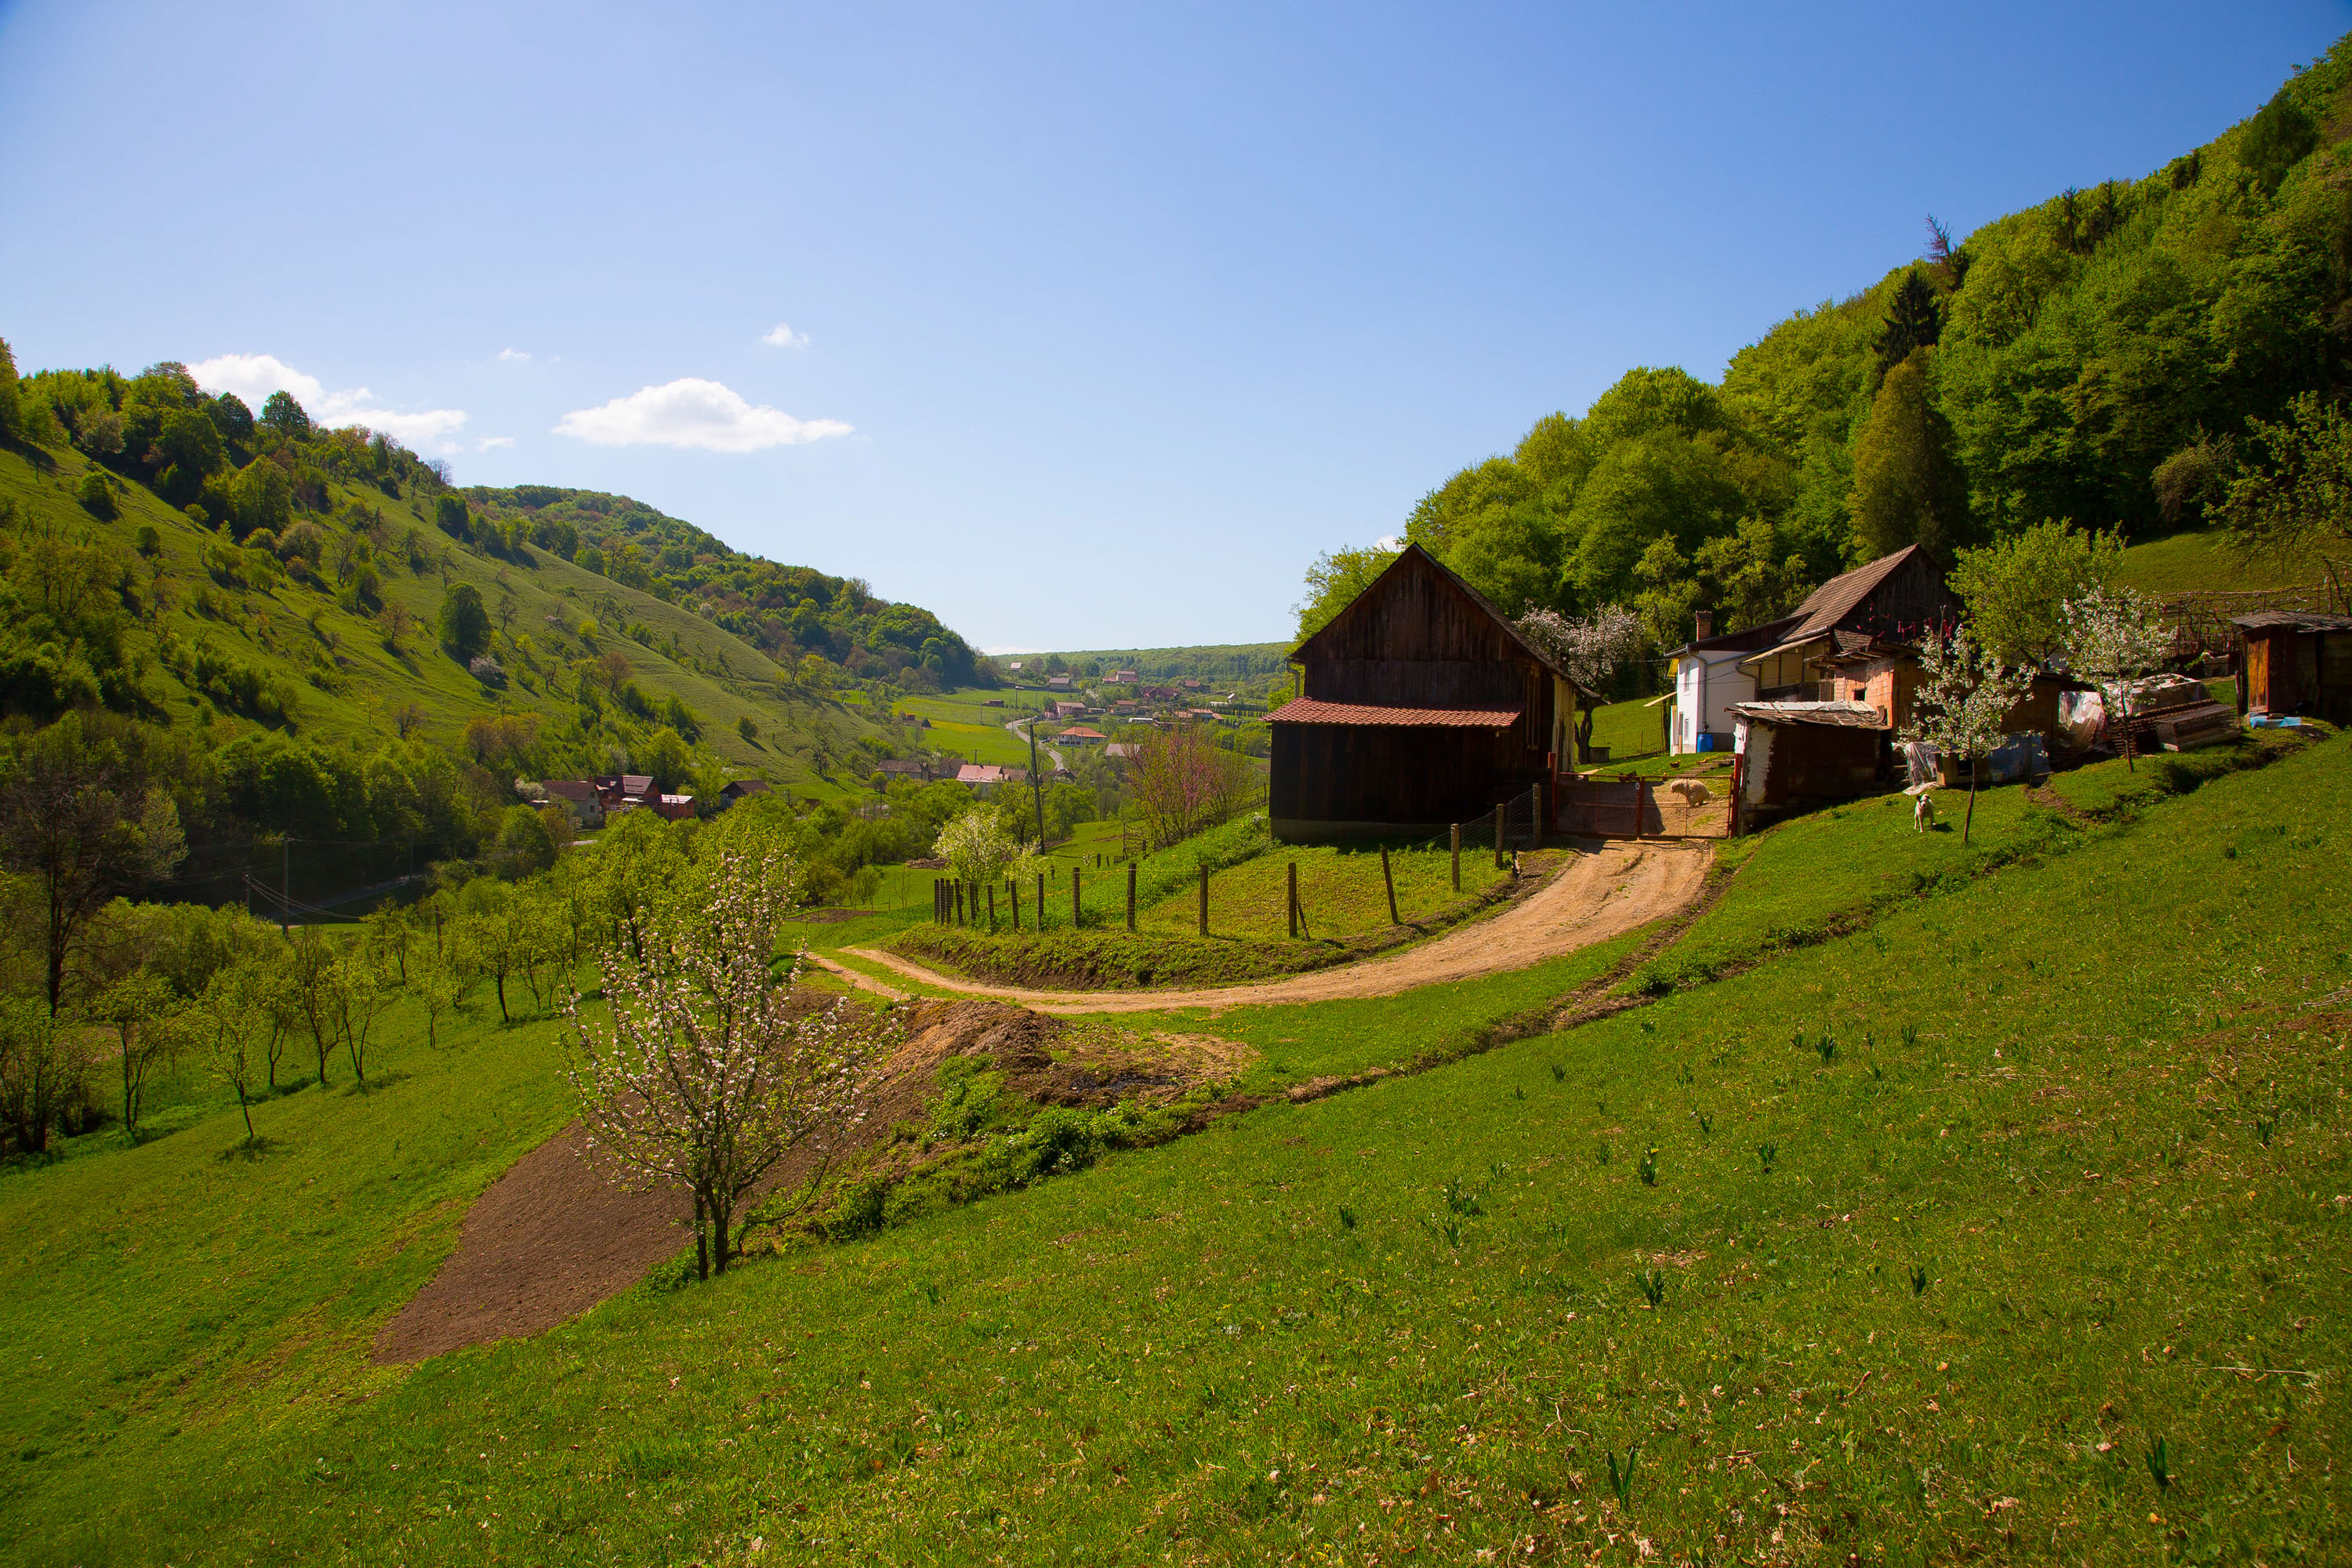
pixel 2294 662
pixel 1418 705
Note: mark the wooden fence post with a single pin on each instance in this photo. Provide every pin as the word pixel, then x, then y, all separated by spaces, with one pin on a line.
pixel 1130 895
pixel 1499 835
pixel 1204 899
pixel 1457 856
pixel 1012 886
pixel 992 908
pixel 1293 911
pixel 1388 880
pixel 1073 898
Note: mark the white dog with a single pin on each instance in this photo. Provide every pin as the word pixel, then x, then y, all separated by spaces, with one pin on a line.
pixel 1923 813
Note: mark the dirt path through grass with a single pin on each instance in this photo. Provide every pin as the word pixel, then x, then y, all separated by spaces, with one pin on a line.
pixel 1594 896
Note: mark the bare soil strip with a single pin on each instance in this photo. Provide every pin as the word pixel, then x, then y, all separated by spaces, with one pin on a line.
pixel 1592 898
pixel 549 1239
pixel 553 1237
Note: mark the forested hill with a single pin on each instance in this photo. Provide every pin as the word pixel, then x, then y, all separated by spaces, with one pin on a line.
pixel 291 630
pixel 788 612
pixel 2113 357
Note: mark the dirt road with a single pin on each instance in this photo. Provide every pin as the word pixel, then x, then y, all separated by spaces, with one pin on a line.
pixel 1592 898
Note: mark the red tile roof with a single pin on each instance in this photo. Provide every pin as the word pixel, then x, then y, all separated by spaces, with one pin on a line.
pixel 1307 711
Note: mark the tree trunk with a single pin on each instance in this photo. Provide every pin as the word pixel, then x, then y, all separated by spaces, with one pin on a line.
pixel 503 1016
pixel 701 1239
pixel 130 1104
pixel 247 1106
pixel 1969 819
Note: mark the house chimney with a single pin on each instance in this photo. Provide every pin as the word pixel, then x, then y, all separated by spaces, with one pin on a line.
pixel 1705 625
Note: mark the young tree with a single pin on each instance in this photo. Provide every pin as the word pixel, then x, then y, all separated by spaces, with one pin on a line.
pixel 1963 703
pixel 438 983
pixel 223 1024
pixel 977 849
pixel 1591 651
pixel 2016 590
pixel 360 996
pixel 310 976
pixel 138 1007
pixel 710 1070
pixel 1181 784
pixel 2113 637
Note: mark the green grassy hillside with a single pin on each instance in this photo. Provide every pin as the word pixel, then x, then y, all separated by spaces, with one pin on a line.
pixel 2202 560
pixel 1914 1242
pixel 349 681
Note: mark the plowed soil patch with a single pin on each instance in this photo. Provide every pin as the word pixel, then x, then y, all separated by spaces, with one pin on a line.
pixel 553 1237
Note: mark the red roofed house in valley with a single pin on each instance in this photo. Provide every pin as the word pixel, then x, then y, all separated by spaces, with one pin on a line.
pixel 1420 705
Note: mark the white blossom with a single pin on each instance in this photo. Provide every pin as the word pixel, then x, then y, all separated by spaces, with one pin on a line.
pixel 1591 649
pixel 710 1070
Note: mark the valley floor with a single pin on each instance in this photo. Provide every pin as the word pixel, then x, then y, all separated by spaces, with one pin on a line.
pixel 1918 1204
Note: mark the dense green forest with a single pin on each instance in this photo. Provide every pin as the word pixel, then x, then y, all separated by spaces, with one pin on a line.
pixel 279 630
pixel 2114 358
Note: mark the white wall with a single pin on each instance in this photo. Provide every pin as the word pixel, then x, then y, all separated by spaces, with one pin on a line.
pixel 1706 684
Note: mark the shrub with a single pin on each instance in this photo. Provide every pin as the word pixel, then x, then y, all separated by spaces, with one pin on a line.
pixel 97 498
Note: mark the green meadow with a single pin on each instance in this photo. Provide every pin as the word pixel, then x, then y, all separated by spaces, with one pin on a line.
pixel 2005 1223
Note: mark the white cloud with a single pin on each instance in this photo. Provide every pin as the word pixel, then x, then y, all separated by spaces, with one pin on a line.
pixel 489 442
pixel 1393 542
pixel 253 377
pixel 783 337
pixel 514 353
pixel 691 412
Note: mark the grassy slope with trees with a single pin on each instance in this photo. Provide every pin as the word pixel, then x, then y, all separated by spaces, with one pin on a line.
pixel 1945 1280
pixel 307 632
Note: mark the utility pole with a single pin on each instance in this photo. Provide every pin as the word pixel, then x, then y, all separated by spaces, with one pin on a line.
pixel 1036 791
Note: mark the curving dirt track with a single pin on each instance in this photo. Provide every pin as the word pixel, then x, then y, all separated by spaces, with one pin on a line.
pixel 1594 896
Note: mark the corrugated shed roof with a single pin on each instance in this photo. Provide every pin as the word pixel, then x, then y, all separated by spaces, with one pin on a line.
pixel 2300 620
pixel 1308 710
pixel 1842 715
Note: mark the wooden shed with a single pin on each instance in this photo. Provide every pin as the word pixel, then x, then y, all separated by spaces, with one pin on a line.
pixel 1418 705
pixel 2294 662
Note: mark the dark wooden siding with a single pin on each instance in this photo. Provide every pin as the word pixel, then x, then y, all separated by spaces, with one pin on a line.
pixel 1348 773
pixel 1413 639
pixel 1821 761
pixel 1913 598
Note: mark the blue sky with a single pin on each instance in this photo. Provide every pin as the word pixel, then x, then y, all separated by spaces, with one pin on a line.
pixel 1097 322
